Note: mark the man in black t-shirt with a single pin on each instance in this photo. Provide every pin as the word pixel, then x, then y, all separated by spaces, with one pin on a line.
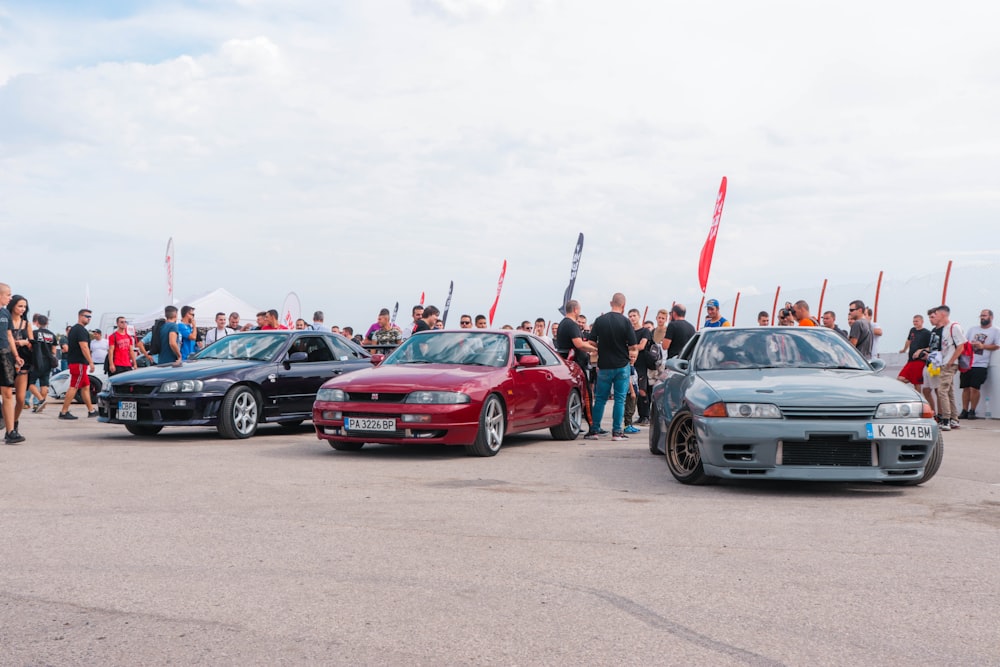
pixel 615 337
pixel 10 363
pixel 80 362
pixel 643 338
pixel 428 321
pixel 679 331
pixel 572 345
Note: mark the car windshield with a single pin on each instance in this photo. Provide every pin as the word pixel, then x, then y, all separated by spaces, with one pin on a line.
pixel 787 347
pixel 453 347
pixel 249 345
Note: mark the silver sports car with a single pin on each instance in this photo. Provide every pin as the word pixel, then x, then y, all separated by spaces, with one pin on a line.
pixel 788 403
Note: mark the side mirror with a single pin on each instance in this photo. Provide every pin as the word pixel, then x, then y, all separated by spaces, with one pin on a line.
pixel 677 365
pixel 528 361
pixel 377 358
pixel 878 365
pixel 298 357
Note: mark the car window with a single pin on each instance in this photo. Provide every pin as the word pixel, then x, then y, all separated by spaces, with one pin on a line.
pixel 689 348
pixel 452 347
pixel 775 348
pixel 547 357
pixel 342 349
pixel 522 347
pixel 315 347
pixel 250 345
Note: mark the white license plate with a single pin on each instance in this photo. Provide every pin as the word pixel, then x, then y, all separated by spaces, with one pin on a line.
pixel 128 411
pixel 898 431
pixel 369 424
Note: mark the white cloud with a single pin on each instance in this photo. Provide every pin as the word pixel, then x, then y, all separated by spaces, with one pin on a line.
pixel 361 154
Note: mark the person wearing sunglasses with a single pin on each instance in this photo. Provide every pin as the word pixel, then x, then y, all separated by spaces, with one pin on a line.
pixel 81 363
pixel 861 329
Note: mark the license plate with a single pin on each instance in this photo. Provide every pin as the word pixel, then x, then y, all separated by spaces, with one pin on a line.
pixel 128 411
pixel 898 432
pixel 369 424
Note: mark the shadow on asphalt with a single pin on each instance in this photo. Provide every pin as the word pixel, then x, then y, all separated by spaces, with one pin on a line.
pixel 374 451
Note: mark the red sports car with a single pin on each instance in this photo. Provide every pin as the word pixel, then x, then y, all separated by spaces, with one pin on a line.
pixel 463 387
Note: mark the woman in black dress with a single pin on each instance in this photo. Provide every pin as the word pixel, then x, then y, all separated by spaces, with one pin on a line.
pixel 23 334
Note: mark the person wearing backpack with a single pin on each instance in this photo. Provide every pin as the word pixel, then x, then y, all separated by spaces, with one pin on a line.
pixel 952 345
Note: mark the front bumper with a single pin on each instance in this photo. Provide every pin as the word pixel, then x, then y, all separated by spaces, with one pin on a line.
pixel 444 425
pixel 200 409
pixel 809 449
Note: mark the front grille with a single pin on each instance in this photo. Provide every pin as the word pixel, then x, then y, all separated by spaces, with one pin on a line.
pixel 827 412
pixel 132 389
pixel 375 434
pixel 828 451
pixel 379 397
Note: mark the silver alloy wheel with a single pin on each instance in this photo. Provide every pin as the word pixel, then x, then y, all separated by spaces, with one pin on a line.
pixel 575 411
pixel 245 413
pixel 494 423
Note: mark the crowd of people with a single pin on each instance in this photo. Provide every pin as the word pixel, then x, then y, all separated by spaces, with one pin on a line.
pixel 621 353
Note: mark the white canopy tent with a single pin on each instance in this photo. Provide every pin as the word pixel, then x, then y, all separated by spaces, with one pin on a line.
pixel 206 306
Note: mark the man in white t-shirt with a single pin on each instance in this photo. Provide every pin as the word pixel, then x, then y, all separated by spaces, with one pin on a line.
pixel 876 332
pixel 984 338
pixel 952 342
pixel 220 330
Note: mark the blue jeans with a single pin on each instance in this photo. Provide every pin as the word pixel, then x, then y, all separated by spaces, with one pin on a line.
pixel 608 379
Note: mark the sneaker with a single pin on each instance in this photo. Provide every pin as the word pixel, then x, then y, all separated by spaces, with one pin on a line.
pixel 592 435
pixel 631 429
pixel 954 423
pixel 964 415
pixel 972 415
pixel 601 431
pixel 67 415
pixel 13 438
pixel 92 413
pixel 939 419
pixel 615 437
pixel 944 427
pixel 41 406
pixel 643 422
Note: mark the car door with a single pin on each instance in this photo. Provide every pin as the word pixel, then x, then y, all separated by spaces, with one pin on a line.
pixel 526 405
pixel 298 381
pixel 676 383
pixel 552 392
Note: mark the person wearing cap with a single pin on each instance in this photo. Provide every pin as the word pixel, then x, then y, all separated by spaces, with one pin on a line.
pixel 714 318
pixel 98 346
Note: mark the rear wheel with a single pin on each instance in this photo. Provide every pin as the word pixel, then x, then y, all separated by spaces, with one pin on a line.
pixel 143 429
pixel 95 388
pixel 569 429
pixel 238 414
pixel 933 464
pixel 683 456
pixel 492 425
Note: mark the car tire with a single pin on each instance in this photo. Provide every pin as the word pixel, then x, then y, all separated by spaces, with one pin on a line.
pixel 239 413
pixel 682 452
pixel 347 446
pixel 569 429
pixel 933 464
pixel 143 429
pixel 95 388
pixel 655 430
pixel 492 426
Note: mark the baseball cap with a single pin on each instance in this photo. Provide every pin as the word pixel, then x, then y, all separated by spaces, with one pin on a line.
pixel 712 303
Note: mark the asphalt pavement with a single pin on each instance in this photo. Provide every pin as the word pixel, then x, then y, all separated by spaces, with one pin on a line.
pixel 188 549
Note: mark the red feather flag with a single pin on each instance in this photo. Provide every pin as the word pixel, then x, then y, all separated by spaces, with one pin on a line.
pixel 705 263
pixel 493 308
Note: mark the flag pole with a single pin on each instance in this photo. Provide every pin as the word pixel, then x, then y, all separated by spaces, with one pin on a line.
pixel 947 275
pixel 822 294
pixel 774 308
pixel 735 308
pixel 878 291
pixel 697 321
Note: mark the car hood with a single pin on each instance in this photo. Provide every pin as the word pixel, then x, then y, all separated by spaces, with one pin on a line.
pixel 806 387
pixel 404 378
pixel 196 369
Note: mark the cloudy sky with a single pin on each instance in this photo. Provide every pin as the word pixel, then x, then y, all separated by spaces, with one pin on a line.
pixel 359 153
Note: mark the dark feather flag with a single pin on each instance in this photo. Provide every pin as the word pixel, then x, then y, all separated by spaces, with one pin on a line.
pixel 447 304
pixel 574 267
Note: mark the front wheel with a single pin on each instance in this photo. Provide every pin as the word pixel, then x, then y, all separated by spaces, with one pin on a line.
pixel 142 429
pixel 238 414
pixel 569 429
pixel 654 429
pixel 492 425
pixel 683 456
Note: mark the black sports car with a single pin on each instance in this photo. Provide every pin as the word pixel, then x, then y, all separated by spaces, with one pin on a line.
pixel 233 384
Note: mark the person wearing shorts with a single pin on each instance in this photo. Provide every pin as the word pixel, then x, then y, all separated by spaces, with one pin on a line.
pixel 80 362
pixel 9 363
pixel 985 339
pixel 917 343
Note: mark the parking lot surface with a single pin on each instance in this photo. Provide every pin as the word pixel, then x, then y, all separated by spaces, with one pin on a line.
pixel 188 549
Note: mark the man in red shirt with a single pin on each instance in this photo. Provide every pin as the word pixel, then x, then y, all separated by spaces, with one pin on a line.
pixel 121 357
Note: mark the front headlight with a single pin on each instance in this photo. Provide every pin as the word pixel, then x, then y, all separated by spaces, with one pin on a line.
pixel 181 386
pixel 908 410
pixel 331 395
pixel 743 410
pixel 437 397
